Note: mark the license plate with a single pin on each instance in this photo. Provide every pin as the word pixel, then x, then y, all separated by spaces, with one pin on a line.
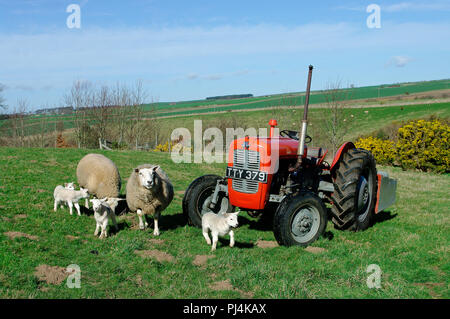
pixel 240 173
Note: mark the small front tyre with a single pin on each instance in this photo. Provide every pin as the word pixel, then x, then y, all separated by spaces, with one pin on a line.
pixel 300 220
pixel 198 197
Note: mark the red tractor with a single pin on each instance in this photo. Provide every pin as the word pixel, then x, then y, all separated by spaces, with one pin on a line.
pixel 281 175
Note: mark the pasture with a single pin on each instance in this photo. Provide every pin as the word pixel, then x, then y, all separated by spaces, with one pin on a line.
pixel 409 242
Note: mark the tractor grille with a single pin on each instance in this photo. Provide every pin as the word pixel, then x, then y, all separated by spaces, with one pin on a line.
pixel 247 160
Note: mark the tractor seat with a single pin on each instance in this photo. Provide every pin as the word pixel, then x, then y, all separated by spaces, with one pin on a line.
pixel 316 154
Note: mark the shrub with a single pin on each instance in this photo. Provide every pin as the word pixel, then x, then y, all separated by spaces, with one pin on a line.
pixel 382 150
pixel 424 145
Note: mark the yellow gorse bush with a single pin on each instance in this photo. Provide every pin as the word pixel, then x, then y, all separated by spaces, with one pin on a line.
pixel 382 150
pixel 421 144
pixel 424 145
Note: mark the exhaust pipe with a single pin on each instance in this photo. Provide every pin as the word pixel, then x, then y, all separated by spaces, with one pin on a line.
pixel 301 142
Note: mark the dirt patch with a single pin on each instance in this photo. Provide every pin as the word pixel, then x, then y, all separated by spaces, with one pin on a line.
pixel 70 237
pixel 33 161
pixel 315 250
pixel 226 285
pixel 51 274
pixel 41 190
pixel 16 234
pixel 266 244
pixel 201 260
pixel 155 254
pixel 180 192
pixel 20 216
pixel 26 187
pixel 12 157
pixel 156 241
pixel 431 286
pixel 221 285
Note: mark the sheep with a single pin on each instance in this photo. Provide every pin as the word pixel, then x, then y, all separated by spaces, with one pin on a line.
pixel 69 196
pixel 99 175
pixel 149 191
pixel 102 213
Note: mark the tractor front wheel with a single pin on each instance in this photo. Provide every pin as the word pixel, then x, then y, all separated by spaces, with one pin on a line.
pixel 300 220
pixel 198 197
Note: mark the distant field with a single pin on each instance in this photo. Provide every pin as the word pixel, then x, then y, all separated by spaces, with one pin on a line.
pixel 360 94
pixel 409 242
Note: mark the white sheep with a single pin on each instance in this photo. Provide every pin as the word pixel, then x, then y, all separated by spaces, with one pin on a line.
pixel 99 175
pixel 149 192
pixel 102 214
pixel 69 197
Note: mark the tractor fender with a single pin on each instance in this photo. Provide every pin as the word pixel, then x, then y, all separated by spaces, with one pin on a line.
pixel 341 151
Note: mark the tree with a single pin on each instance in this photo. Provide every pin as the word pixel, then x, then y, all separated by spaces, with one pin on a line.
pixel 2 99
pixel 80 98
pixel 337 119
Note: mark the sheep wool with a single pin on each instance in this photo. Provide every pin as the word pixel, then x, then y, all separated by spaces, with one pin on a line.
pixel 99 175
pixel 151 202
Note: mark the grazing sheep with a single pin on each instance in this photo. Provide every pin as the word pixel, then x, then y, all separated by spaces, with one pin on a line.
pixel 102 214
pixel 70 197
pixel 99 175
pixel 219 225
pixel 149 192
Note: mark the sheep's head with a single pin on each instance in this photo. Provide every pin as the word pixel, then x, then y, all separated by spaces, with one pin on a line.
pixel 147 176
pixel 232 219
pixel 69 185
pixel 97 203
pixel 84 192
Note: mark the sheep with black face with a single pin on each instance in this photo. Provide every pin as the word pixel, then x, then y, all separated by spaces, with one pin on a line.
pixel 149 192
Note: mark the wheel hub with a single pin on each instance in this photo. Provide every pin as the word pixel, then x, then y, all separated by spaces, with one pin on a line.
pixel 304 221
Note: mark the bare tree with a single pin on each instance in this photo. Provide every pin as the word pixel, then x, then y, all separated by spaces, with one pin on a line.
pixel 80 98
pixel 336 122
pixel 101 111
pixel 2 99
pixel 137 128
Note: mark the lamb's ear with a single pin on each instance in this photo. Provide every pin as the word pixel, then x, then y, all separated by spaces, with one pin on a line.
pixel 136 170
pixel 155 168
pixel 104 199
pixel 91 200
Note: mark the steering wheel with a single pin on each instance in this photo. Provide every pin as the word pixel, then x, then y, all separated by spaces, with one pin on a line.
pixel 294 135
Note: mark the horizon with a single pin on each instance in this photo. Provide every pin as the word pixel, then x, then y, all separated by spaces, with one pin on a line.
pixel 186 52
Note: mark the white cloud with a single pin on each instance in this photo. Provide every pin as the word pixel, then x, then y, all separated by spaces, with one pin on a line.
pixel 399 61
pixel 425 6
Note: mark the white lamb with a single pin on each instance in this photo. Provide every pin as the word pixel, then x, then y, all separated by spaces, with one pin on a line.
pixel 69 197
pixel 102 214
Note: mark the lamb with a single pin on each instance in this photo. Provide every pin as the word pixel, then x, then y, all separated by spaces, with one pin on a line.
pixel 99 175
pixel 69 196
pixel 102 213
pixel 149 192
pixel 219 225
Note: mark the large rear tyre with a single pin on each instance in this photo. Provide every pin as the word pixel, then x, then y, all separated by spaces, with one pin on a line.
pixel 198 197
pixel 300 220
pixel 355 191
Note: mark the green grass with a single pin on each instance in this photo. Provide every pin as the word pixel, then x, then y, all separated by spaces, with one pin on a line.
pixel 409 242
pixel 163 109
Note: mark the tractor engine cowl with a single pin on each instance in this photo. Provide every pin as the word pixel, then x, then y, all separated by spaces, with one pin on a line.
pixel 253 155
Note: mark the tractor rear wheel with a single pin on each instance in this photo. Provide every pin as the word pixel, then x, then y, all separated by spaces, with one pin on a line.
pixel 355 191
pixel 300 220
pixel 198 196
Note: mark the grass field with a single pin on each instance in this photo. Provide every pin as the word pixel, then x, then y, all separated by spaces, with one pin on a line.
pixel 362 95
pixel 410 242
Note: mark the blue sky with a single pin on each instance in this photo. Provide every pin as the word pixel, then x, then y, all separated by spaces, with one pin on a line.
pixel 185 50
